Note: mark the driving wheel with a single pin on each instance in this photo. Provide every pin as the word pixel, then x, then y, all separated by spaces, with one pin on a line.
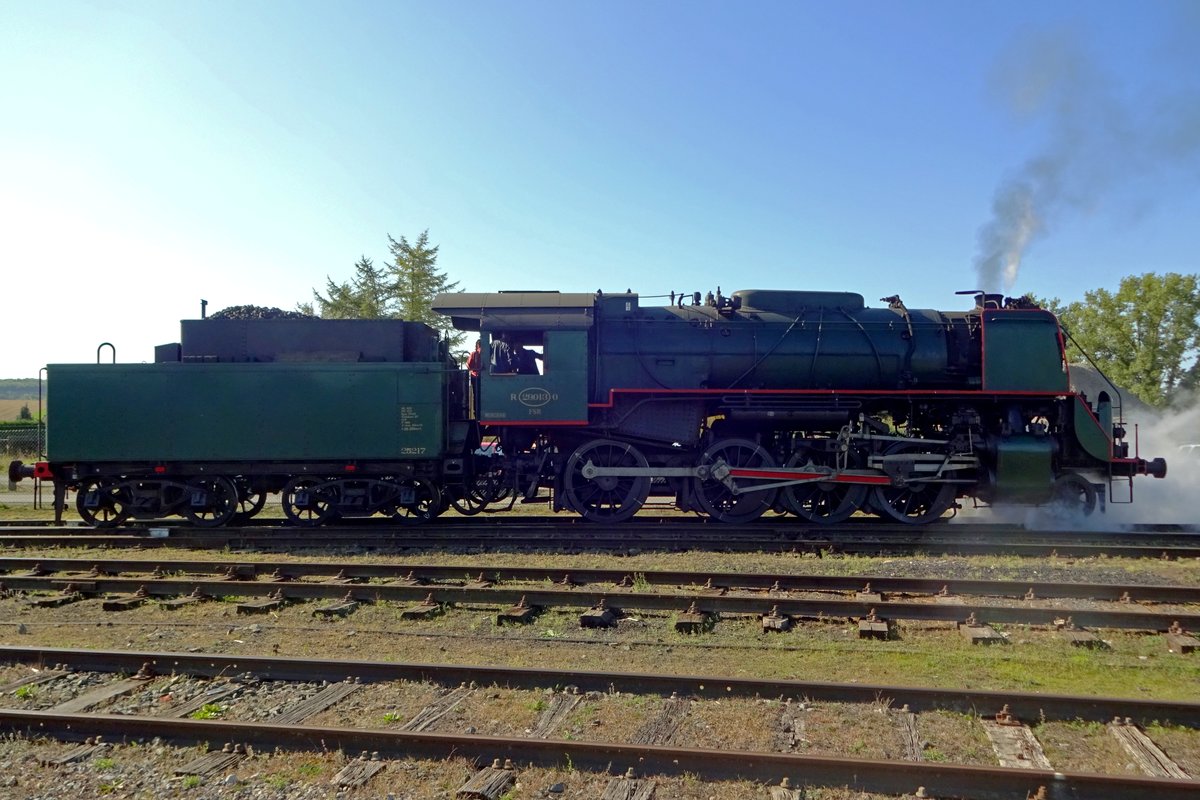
pixel 605 498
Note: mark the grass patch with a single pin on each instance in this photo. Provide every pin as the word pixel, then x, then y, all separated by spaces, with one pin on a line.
pixel 208 711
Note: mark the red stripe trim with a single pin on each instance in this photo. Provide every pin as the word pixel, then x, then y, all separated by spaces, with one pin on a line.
pixel 947 393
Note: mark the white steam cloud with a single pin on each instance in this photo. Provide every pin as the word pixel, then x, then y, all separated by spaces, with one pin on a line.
pixel 1155 501
pixel 1096 140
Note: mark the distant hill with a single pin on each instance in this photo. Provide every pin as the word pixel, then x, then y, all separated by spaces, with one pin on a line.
pixel 18 388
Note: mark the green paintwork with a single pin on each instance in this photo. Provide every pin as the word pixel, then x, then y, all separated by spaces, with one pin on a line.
pixel 557 395
pixel 186 412
pixel 1023 469
pixel 1021 352
pixel 1089 432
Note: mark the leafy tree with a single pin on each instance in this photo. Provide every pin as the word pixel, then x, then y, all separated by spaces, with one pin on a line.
pixel 416 280
pixel 25 413
pixel 1145 336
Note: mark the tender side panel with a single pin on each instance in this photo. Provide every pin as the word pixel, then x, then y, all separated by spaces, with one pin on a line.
pixel 221 412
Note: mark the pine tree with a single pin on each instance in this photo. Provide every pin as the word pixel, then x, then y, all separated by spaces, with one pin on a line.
pixel 416 280
pixel 365 296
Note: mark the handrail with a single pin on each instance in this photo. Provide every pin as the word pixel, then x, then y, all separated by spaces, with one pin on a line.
pixel 1100 372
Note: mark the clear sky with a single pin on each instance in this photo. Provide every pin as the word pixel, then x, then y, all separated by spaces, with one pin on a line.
pixel 153 154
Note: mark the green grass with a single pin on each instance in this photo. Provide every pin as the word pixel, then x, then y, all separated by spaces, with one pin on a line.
pixel 208 711
pixel 191 781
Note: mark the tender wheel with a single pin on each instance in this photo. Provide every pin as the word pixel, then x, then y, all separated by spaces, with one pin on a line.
pixel 426 502
pixel 823 503
pixel 717 498
pixel 102 502
pixel 605 498
pixel 212 501
pixel 466 502
pixel 1073 494
pixel 915 503
pixel 306 503
pixel 249 504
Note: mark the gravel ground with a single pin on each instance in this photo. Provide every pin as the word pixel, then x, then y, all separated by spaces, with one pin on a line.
pixel 923 653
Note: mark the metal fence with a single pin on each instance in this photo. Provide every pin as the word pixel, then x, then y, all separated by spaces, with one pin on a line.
pixel 24 440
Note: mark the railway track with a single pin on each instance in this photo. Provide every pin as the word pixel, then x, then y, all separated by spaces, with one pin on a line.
pixel 241 680
pixel 423 573
pixel 698 607
pixel 539 533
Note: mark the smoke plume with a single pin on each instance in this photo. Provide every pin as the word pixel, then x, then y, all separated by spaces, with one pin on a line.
pixel 1097 138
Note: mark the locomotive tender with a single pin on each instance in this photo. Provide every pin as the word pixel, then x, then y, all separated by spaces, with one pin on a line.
pixel 804 402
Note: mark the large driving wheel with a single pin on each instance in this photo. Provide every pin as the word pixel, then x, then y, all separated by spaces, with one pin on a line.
pixel 102 502
pixel 306 502
pixel 420 501
pixel 717 498
pixel 212 501
pixel 605 498
pixel 913 503
pixel 824 502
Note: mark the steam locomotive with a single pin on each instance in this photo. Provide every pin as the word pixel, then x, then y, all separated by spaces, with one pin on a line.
pixel 807 403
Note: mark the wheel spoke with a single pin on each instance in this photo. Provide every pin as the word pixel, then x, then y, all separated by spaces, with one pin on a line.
pixel 426 503
pixel 213 501
pixel 826 502
pixel 914 503
pixel 717 499
pixel 102 502
pixel 606 498
pixel 305 502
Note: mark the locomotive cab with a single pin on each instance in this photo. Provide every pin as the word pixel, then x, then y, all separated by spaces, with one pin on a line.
pixel 557 395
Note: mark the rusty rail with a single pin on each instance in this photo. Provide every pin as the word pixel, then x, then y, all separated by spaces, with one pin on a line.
pixel 1155 593
pixel 587 598
pixel 1022 705
pixel 895 777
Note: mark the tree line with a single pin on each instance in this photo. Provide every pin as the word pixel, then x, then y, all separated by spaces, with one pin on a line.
pixel 1145 336
pixel 403 288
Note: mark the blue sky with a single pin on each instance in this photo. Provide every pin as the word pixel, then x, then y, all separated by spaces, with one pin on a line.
pixel 153 154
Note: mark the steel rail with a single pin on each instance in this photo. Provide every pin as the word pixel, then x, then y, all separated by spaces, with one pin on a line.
pixel 586 598
pixel 870 775
pixel 1157 593
pixel 1026 706
pixel 426 538
pixel 781 526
